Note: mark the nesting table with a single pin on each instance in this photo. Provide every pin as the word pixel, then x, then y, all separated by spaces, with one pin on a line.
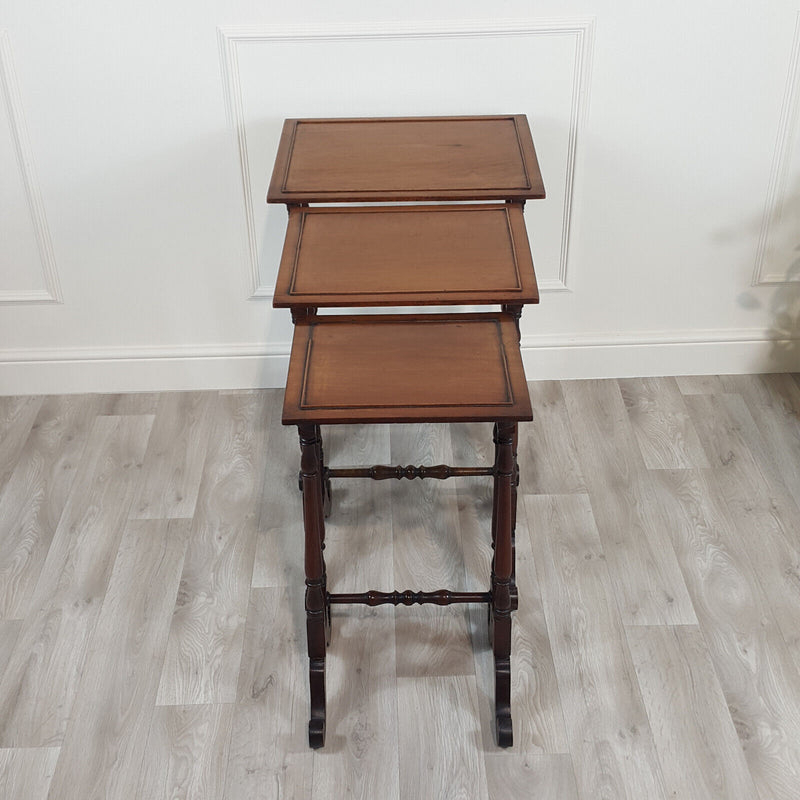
pixel 447 230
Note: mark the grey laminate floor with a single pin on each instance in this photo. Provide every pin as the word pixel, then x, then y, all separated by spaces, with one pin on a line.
pixel 151 595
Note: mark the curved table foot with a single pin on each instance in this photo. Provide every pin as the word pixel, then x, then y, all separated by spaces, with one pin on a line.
pixel 316 725
pixel 316 733
pixel 503 728
pixel 502 701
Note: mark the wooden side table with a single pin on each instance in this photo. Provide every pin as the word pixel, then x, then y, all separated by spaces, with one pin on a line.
pixel 404 159
pixel 413 367
pixel 398 368
pixel 471 254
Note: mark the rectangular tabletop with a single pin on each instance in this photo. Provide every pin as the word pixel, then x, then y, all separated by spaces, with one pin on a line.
pixel 406 158
pixel 402 368
pixel 406 255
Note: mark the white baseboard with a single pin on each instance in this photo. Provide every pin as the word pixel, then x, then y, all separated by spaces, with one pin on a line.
pixel 259 366
pixel 732 353
pixel 143 369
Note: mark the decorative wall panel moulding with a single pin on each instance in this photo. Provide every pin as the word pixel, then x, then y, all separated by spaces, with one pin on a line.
pixel 579 30
pixel 12 104
pixel 779 261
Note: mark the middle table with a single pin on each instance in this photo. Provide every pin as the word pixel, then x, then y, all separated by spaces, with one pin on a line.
pixel 382 256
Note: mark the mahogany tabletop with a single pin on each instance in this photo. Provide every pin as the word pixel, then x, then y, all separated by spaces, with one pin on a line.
pixel 406 158
pixel 406 368
pixel 468 254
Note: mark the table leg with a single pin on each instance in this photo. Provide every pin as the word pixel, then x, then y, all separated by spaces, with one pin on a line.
pixel 515 484
pixel 317 611
pixel 325 488
pixel 326 482
pixel 503 517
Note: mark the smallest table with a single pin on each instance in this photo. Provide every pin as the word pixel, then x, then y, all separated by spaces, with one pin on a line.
pixel 400 369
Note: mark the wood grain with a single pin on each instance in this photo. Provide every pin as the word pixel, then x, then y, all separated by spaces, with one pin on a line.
pixel 734 441
pixel 263 767
pixel 17 415
pixel 25 774
pixel 173 464
pixel 511 775
pixel 273 658
pixel 360 758
pixel 698 749
pixel 187 753
pixel 117 405
pixel 361 515
pixel 439 739
pixel 648 583
pixel 764 514
pixel 607 727
pixel 36 494
pixel 269 755
pixel 280 538
pixel 428 556
pixel 774 404
pixel 660 420
pixel 700 384
pixel 42 677
pixel 9 631
pixel 587 689
pixel 374 256
pixel 103 749
pixel 206 637
pixel 405 158
pixel 401 368
pixel 548 457
pixel 751 659
pixel 535 705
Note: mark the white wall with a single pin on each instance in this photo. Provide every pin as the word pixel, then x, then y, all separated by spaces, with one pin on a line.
pixel 136 144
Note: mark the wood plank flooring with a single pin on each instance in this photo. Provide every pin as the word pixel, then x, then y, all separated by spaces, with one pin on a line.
pixel 152 635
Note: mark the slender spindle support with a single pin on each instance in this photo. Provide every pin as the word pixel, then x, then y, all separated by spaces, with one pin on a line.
pixel 503 517
pixel 317 609
pixel 384 473
pixel 442 597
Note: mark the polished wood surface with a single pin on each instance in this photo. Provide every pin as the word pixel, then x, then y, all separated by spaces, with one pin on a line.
pixel 406 255
pixel 316 602
pixel 410 367
pixel 401 368
pixel 504 514
pixel 719 696
pixel 406 158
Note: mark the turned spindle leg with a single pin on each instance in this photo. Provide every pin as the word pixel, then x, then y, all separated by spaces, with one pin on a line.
pixel 325 488
pixel 503 517
pixel 317 611
pixel 326 481
pixel 514 485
